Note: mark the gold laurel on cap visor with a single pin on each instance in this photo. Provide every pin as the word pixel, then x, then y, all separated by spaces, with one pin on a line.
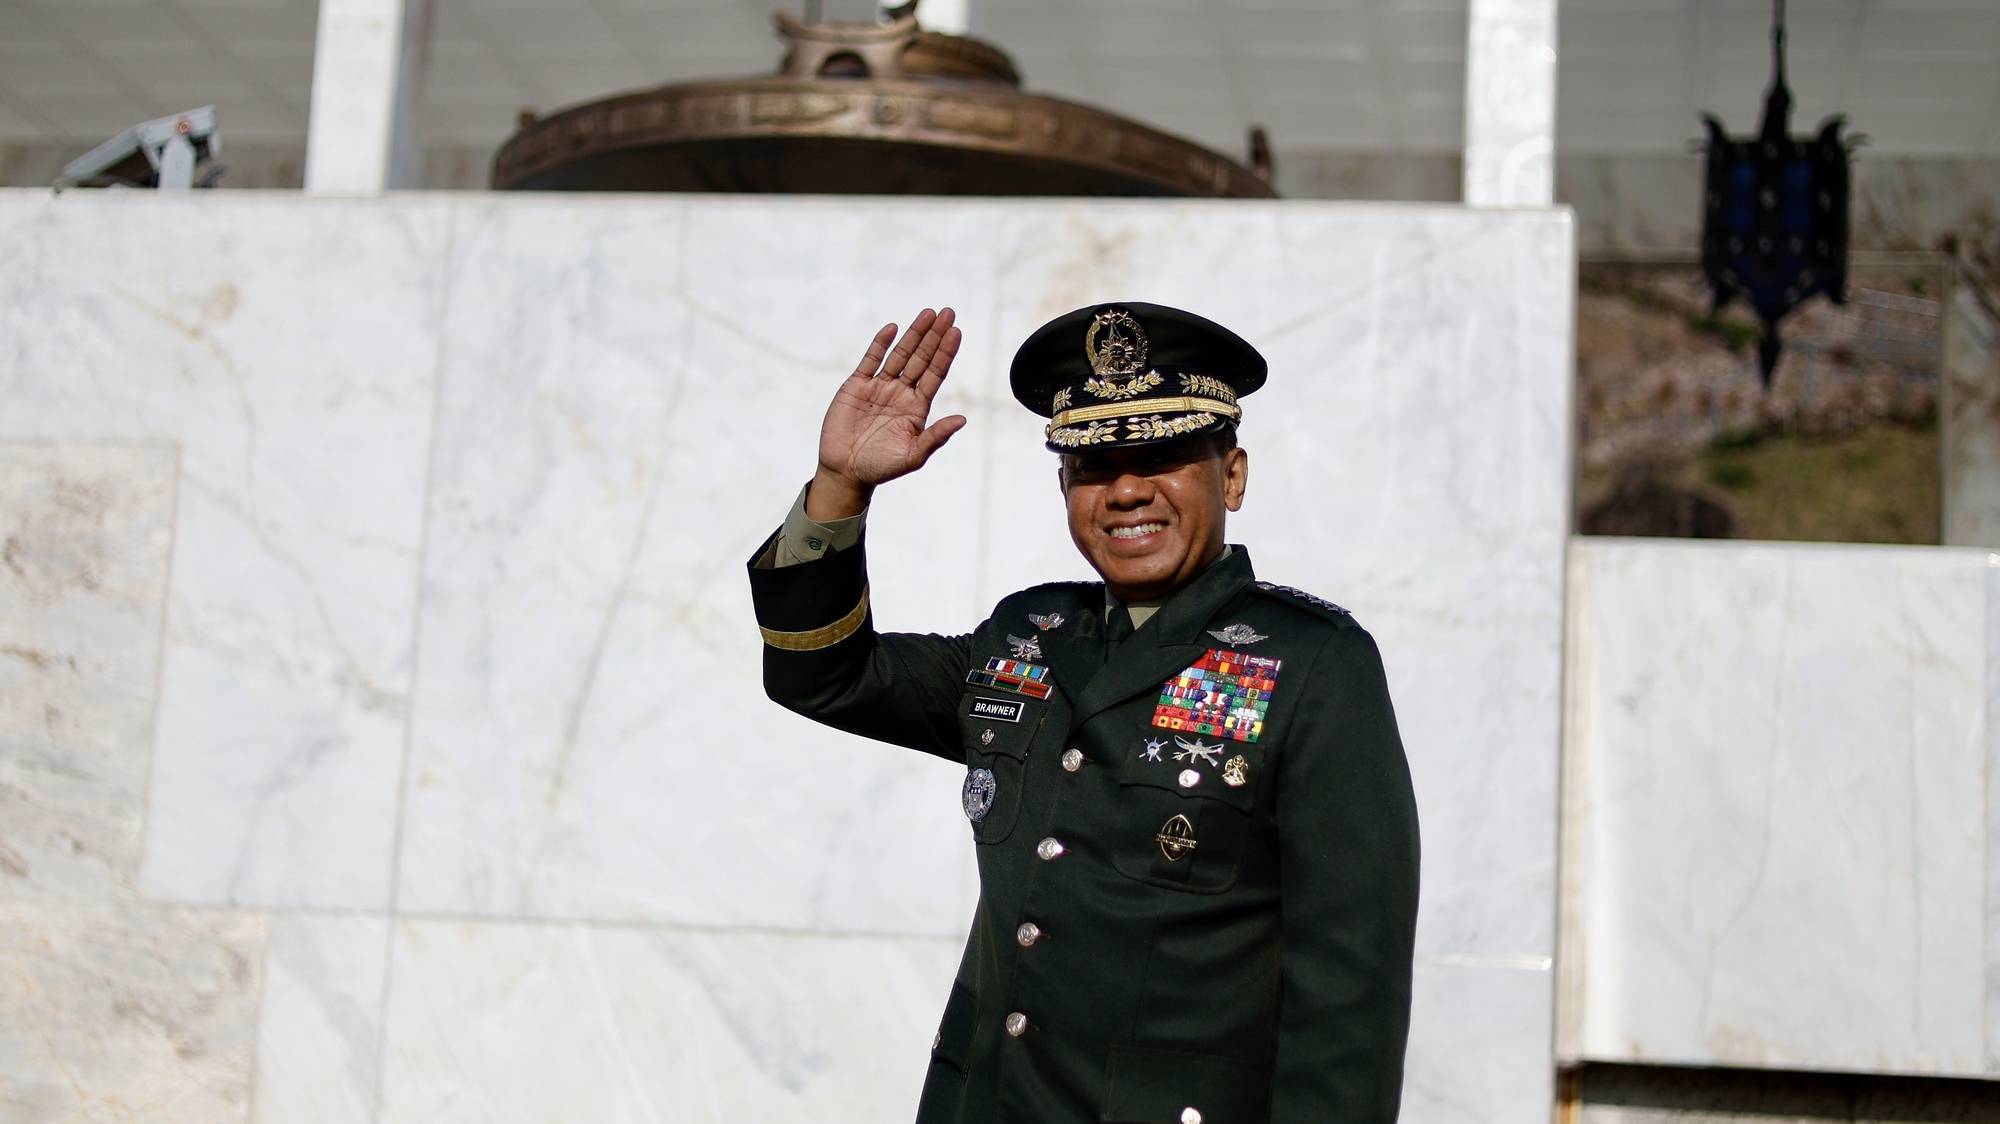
pixel 1151 419
pixel 1155 427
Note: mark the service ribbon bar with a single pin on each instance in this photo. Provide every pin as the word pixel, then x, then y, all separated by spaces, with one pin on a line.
pixel 1223 694
pixel 1018 676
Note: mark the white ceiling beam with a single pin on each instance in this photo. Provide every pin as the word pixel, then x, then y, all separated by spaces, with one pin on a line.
pixel 1510 103
pixel 369 62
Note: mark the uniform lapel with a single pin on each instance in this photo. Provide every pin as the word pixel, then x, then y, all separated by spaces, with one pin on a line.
pixel 1075 650
pixel 1168 642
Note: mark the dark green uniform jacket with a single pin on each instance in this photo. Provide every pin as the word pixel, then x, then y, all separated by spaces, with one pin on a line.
pixel 1174 926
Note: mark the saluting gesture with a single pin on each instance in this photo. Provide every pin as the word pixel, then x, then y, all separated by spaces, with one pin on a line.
pixel 1317 863
pixel 875 430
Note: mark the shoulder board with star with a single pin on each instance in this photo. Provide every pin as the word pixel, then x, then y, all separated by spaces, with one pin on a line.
pixel 1083 592
pixel 1300 599
pixel 1065 600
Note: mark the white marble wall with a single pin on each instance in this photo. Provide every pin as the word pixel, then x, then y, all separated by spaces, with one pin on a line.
pixel 1778 824
pixel 375 652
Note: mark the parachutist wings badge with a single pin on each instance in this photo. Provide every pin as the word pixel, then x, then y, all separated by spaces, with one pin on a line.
pixel 1237 635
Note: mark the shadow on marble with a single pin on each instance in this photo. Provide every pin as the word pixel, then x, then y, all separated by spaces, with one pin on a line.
pixel 1637 1094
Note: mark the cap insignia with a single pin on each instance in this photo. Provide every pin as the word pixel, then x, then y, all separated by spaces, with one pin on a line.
pixel 1115 343
pixel 1061 402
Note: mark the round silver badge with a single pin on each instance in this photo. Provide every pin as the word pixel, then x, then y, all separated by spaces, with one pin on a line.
pixel 977 795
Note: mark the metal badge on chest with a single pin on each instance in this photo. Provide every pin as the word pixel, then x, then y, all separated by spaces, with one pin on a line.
pixel 976 797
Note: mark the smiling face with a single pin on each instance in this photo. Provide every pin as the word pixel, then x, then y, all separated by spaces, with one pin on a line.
pixel 1149 518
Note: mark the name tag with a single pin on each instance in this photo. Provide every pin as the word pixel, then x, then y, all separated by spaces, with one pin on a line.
pixel 1005 710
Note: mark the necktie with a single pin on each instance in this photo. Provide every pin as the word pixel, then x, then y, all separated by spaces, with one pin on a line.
pixel 1117 626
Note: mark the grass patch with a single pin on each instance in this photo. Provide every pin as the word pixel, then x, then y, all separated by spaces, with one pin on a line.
pixel 1734 476
pixel 1737 440
pixel 1875 485
pixel 1734 333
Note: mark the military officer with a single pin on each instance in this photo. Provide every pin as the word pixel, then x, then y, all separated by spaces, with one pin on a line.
pixel 1196 839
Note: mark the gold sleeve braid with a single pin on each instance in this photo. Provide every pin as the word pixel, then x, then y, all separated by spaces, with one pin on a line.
pixel 815 639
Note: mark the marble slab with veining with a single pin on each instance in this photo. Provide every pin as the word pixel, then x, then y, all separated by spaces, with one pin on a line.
pixel 1777 847
pixel 458 701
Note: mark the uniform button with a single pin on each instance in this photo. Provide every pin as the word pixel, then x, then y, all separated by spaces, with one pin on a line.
pixel 937 1040
pixel 1189 778
pixel 1049 848
pixel 1027 934
pixel 1190 1116
pixel 1072 760
pixel 1017 1025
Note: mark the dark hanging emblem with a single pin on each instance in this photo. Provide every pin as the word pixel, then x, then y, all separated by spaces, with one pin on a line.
pixel 1774 232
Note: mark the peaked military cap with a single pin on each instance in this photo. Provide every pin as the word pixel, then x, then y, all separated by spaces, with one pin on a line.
pixel 1132 374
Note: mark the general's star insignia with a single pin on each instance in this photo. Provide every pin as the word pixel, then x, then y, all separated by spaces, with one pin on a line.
pixel 1047 622
pixel 1236 635
pixel 1025 648
pixel 1303 596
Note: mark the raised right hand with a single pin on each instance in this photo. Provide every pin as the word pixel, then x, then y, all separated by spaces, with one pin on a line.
pixel 875 430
